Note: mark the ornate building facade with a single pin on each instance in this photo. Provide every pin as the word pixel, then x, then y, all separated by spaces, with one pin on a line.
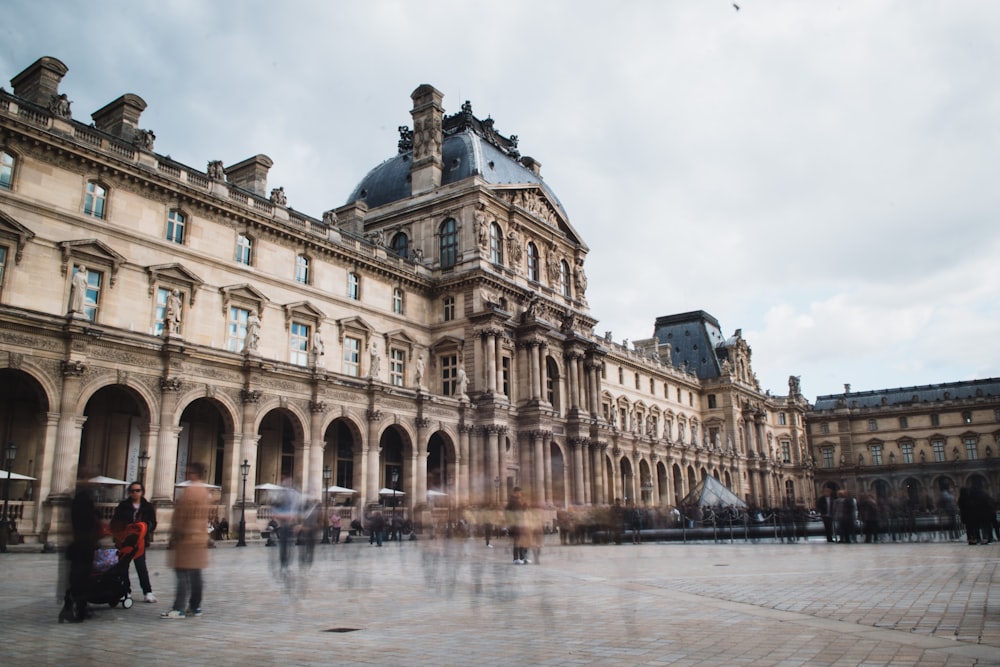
pixel 909 443
pixel 431 334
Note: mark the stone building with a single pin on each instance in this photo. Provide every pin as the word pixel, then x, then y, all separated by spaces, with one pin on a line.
pixel 908 443
pixel 432 334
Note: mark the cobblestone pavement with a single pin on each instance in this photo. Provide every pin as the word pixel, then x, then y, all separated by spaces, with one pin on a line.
pixel 455 602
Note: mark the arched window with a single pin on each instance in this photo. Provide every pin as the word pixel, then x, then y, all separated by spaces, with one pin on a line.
pixel 449 243
pixel 552 383
pixel 496 243
pixel 401 245
pixel 532 262
pixel 564 278
pixel 96 199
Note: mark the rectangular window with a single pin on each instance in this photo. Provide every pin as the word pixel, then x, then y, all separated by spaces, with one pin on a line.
pixel 93 293
pixel 298 344
pixel 352 356
pixel 971 449
pixel 6 170
pixel 967 417
pixel 244 249
pixel 678 394
pixel 397 367
pixel 3 263
pixel 397 301
pixel 828 457
pixel 302 270
pixel 824 428
pixel 621 375
pixel 636 380
pixel 872 425
pixel 907 449
pixel 691 398
pixel 711 401
pixel 353 286
pixel 786 451
pixel 161 309
pixel 448 305
pixel 237 328
pixel 95 200
pixel 876 455
pixel 652 386
pixel 935 420
pixel 904 422
pixel 175 227
pixel 449 374
pixel 938 446
pixel 782 419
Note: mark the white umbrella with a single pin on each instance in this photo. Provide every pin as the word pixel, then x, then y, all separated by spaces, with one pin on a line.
pixel 188 482
pixel 13 476
pixel 269 487
pixel 339 489
pixel 390 492
pixel 431 493
pixel 108 481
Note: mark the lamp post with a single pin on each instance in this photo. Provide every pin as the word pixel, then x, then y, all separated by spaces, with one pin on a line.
pixel 5 526
pixel 245 471
pixel 143 464
pixel 327 476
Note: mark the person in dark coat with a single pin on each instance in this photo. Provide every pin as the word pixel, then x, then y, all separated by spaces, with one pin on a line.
pixel 136 509
pixel 87 528
pixel 824 507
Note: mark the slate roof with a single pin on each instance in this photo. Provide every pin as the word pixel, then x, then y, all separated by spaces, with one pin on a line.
pixel 693 338
pixel 911 395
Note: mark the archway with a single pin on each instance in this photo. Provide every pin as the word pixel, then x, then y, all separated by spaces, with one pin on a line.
pixel 558 483
pixel 111 439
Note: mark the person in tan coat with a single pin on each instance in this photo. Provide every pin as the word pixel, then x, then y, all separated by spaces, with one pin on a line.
pixel 189 544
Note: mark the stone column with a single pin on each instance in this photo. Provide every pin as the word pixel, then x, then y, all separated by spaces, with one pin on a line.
pixel 248 440
pixel 536 371
pixel 419 476
pixel 538 467
pixel 68 431
pixel 372 481
pixel 165 456
pixel 573 381
pixel 497 445
pixel 317 447
pixel 490 347
pixel 577 444
pixel 462 467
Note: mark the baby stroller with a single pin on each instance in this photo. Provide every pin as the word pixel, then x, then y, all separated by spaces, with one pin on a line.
pixel 109 579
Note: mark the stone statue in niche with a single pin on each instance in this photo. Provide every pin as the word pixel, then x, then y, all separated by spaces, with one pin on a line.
pixel 78 293
pixel 172 313
pixel 374 360
pixel 514 247
pixel 482 229
pixel 419 374
pixel 580 277
pixel 318 348
pixel 252 341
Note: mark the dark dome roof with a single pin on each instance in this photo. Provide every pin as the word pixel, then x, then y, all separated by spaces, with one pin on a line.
pixel 464 154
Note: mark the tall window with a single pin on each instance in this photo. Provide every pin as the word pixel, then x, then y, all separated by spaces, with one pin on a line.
pixel 935 420
pixel 564 278
pixel 938 446
pixel 397 367
pixel 93 293
pixel 828 457
pixel 244 249
pixel 876 455
pixel 352 356
pixel 824 428
pixel 3 263
pixel 449 243
pixel 711 401
pixel 6 170
pixel 907 449
pixel 872 424
pixel 400 245
pixel 298 344
pixel 345 458
pixel 397 301
pixel 237 328
pixel 786 451
pixel 95 201
pixel 782 419
pixel 175 227
pixel 967 417
pixel 971 449
pixel 904 422
pixel 532 262
pixel 505 375
pixel 449 374
pixel 302 269
pixel 448 305
pixel 496 243
pixel 353 286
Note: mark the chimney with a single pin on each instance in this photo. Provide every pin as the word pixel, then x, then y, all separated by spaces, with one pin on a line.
pixel 251 174
pixel 40 82
pixel 121 117
pixel 425 172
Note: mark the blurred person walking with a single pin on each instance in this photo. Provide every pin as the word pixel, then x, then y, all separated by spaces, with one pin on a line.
pixel 189 544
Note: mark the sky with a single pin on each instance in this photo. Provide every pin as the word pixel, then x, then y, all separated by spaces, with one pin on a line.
pixel 821 176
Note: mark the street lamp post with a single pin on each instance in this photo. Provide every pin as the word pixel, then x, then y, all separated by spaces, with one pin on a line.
pixel 5 526
pixel 245 471
pixel 143 464
pixel 327 476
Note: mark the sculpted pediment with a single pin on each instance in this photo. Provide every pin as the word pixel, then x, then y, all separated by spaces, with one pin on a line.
pixel 15 231
pixel 537 204
pixel 302 309
pixel 91 251
pixel 244 293
pixel 173 273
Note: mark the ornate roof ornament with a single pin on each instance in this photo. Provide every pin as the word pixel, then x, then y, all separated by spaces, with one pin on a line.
pixel 465 120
